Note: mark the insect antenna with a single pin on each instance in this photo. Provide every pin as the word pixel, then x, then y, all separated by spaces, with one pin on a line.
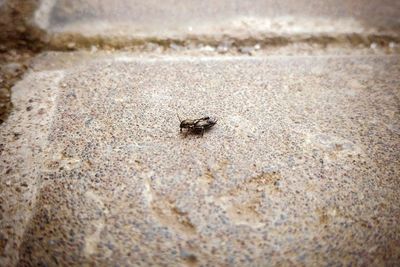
pixel 179 118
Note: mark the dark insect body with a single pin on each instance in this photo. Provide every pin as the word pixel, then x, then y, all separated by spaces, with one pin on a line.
pixel 197 126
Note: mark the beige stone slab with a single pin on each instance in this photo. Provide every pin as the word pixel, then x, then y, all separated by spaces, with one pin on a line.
pixel 240 18
pixel 301 168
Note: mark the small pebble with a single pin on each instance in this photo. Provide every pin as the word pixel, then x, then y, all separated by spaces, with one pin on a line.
pixel 71 45
pixel 207 48
pixel 222 48
pixel 392 45
pixel 246 50
pixel 175 47
pixel 93 49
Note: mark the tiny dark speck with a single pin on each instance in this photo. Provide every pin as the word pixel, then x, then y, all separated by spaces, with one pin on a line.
pixel 71 95
pixel 110 246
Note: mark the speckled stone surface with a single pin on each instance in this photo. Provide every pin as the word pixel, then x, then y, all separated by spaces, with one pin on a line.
pixel 301 169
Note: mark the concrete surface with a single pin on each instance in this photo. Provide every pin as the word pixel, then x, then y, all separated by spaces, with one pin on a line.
pixel 301 169
pixel 160 17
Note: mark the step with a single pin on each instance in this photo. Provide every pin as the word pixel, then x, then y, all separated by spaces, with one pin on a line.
pixel 301 167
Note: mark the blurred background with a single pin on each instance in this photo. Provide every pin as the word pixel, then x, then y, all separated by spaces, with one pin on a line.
pixel 192 27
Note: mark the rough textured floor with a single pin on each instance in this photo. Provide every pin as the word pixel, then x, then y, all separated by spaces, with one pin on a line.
pixel 302 167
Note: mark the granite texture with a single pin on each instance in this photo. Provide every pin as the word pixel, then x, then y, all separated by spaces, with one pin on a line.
pixel 302 167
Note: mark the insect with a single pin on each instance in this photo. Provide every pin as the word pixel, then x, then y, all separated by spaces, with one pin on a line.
pixel 197 126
